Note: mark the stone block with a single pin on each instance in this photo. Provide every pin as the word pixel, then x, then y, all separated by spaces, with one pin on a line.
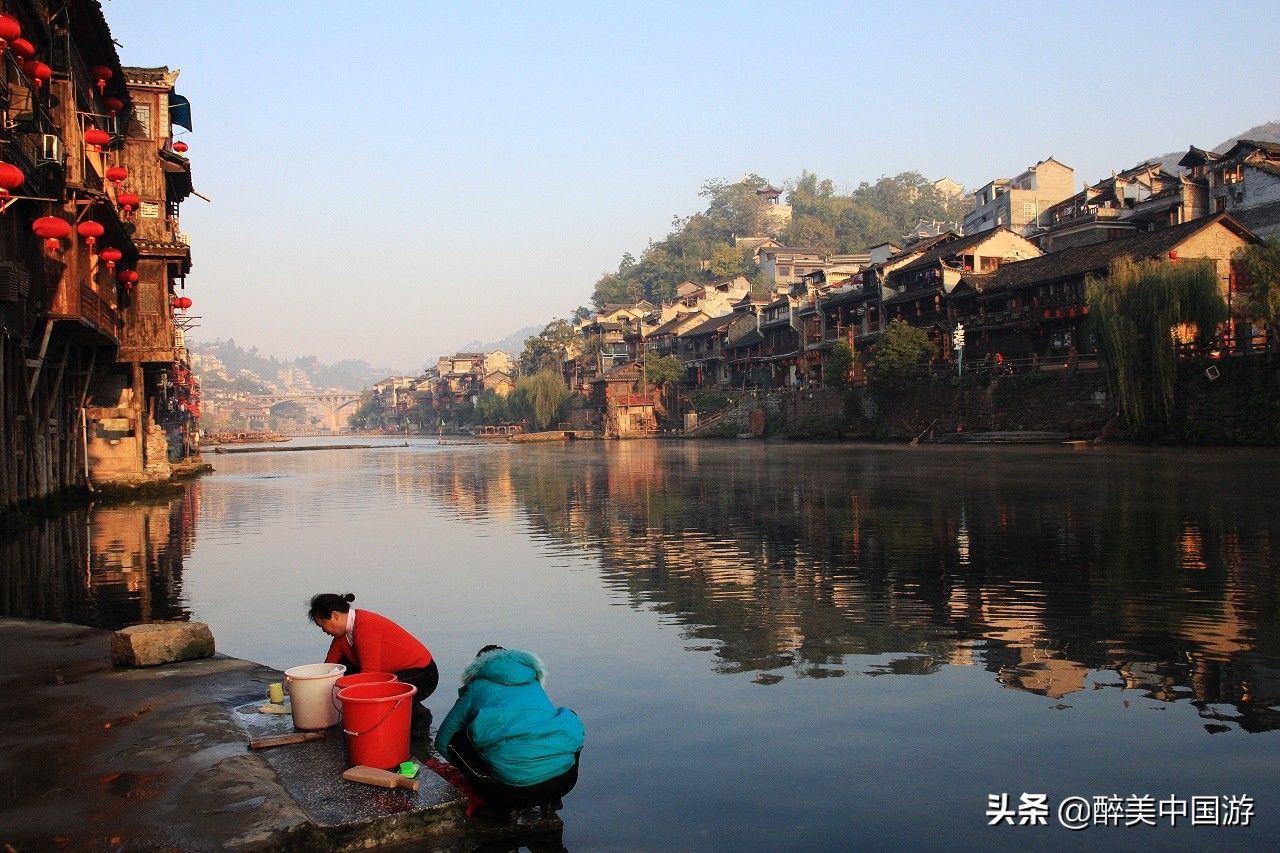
pixel 159 643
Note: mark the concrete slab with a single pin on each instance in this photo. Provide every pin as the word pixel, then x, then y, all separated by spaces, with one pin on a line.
pixel 93 757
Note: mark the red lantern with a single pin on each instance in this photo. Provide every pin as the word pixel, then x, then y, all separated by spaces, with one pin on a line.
pixel 10 29
pixel 116 175
pixel 90 231
pixel 96 138
pixel 111 255
pixel 1173 256
pixel 128 201
pixel 102 74
pixel 53 229
pixel 113 105
pixel 180 147
pixel 37 71
pixel 1084 312
pixel 182 303
pixel 1046 313
pixel 11 178
pixel 22 49
pixel 128 278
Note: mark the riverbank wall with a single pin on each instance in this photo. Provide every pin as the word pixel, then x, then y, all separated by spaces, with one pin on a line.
pixel 1222 402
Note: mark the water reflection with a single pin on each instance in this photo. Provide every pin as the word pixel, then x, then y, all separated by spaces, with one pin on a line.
pixel 105 566
pixel 1054 572
pixel 1041 568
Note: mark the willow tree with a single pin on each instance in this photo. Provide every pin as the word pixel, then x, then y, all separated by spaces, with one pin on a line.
pixel 1136 310
pixel 540 396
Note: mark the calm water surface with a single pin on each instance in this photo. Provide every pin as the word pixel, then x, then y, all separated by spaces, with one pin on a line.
pixel 772 646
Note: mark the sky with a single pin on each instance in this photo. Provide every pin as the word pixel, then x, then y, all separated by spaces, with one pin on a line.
pixel 392 180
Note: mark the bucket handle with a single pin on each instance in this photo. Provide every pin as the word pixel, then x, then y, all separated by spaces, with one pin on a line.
pixel 385 716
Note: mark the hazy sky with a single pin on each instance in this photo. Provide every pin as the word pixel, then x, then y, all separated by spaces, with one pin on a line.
pixel 391 180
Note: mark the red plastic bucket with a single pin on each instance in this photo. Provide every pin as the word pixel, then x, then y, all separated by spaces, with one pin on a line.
pixel 358 678
pixel 376 719
pixel 363 678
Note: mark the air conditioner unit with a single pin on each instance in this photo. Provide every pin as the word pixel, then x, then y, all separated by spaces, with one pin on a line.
pixel 50 149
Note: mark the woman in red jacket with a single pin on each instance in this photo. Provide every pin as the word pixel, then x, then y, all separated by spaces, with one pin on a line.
pixel 367 642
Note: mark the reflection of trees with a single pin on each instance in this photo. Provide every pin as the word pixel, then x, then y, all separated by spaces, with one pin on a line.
pixel 102 566
pixel 1049 565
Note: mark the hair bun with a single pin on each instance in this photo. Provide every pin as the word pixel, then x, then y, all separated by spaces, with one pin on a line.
pixel 351 596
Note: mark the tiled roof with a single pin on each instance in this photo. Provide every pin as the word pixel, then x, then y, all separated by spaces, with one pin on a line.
pixel 1096 257
pixel 846 297
pixel 712 325
pixel 1261 218
pixel 942 250
pixel 751 337
pixel 672 326
pixel 922 246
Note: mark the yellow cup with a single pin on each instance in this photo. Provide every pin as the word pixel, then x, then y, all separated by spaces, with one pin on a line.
pixel 275 693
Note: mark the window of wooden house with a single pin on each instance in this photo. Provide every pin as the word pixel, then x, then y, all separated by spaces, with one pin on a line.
pixel 147 298
pixel 1219 204
pixel 784 270
pixel 149 210
pixel 141 125
pixel 988 264
pixel 1029 210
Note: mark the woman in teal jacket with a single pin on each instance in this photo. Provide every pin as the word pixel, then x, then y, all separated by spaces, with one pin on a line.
pixel 503 733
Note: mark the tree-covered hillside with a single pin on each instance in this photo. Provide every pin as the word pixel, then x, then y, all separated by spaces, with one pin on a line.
pixel 701 247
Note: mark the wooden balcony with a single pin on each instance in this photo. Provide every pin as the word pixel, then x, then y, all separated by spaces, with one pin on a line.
pixel 80 304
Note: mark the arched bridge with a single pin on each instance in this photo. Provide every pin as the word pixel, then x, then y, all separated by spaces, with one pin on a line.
pixel 327 405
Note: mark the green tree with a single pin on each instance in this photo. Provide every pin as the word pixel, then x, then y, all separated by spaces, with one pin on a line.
pixel 366 412
pixel 729 261
pixel 900 354
pixel 540 397
pixel 1135 311
pixel 734 209
pixel 1258 274
pixel 492 408
pixel 835 371
pixel 663 370
pixel 548 349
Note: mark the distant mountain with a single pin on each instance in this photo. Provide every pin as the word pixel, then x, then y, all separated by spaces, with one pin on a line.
pixel 512 344
pixel 268 373
pixel 1267 132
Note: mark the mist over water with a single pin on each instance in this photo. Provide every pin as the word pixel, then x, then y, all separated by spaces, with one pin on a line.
pixel 771 645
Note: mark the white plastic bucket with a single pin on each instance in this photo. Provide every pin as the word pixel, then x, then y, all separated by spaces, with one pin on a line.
pixel 310 689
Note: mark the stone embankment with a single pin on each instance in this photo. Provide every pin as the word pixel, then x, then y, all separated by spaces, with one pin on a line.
pixel 104 757
pixel 1227 402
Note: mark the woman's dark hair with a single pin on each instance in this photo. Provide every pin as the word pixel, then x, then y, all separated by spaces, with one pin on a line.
pixel 324 605
pixel 487 649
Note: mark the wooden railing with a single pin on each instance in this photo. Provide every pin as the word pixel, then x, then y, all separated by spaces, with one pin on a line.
pixel 97 311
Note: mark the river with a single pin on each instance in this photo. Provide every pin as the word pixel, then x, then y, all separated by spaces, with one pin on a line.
pixel 772 645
